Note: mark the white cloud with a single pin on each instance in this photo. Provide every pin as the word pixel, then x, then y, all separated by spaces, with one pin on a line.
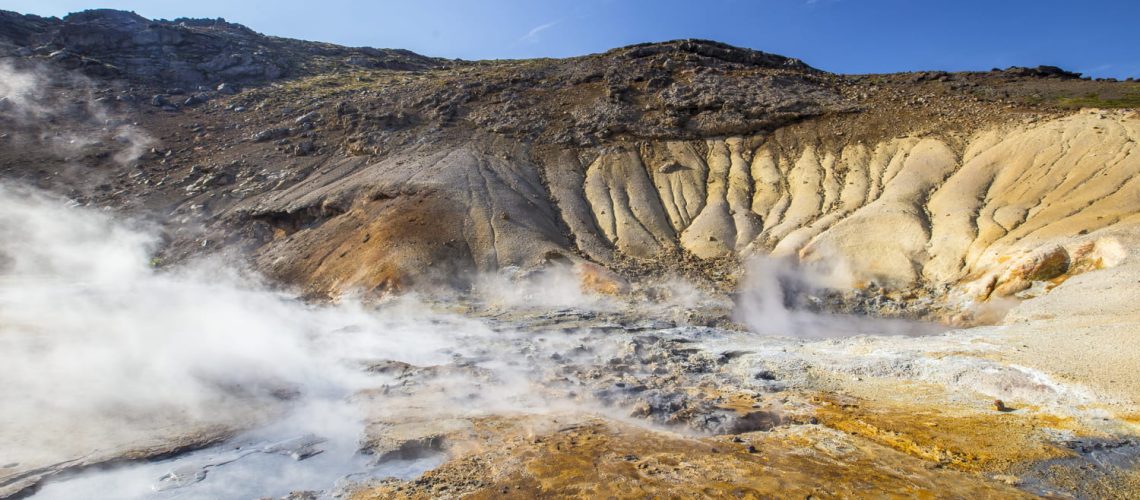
pixel 532 35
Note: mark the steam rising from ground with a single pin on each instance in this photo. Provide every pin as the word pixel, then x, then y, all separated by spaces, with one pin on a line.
pixel 104 355
pixel 551 288
pixel 60 113
pixel 99 351
pixel 89 324
pixel 765 304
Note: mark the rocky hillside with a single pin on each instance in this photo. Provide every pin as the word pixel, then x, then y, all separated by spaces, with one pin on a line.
pixel 343 169
pixel 183 53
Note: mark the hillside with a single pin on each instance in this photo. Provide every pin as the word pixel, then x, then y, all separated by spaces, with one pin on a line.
pixel 1006 197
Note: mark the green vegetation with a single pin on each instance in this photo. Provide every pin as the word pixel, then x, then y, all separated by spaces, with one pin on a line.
pixel 1129 99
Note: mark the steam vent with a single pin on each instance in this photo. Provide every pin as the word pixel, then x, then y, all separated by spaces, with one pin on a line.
pixel 242 266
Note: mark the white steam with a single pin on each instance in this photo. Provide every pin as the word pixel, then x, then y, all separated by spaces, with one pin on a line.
pixel 100 353
pixel 60 113
pixel 555 287
pixel 770 283
pixel 21 93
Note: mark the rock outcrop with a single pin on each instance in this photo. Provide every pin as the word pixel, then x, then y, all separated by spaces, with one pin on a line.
pixel 183 53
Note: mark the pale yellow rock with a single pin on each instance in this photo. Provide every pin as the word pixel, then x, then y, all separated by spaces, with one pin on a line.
pixel 886 240
pixel 767 187
pixel 804 181
pixel 830 184
pixel 565 178
pixel 680 174
pixel 747 224
pixel 713 231
pixel 855 160
pixel 626 205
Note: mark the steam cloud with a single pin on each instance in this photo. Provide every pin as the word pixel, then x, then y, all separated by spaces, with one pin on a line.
pixel 102 352
pixel 61 112
pixel 764 304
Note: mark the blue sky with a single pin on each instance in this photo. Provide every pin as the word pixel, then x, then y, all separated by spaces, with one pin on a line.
pixel 1096 37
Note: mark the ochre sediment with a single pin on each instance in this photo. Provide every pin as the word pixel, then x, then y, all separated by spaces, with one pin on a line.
pixel 587 457
pixel 969 439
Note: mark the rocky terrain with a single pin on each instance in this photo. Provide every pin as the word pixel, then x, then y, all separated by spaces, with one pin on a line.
pixel 733 227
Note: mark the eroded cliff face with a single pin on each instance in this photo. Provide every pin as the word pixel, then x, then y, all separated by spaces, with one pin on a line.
pixel 969 218
pixel 983 215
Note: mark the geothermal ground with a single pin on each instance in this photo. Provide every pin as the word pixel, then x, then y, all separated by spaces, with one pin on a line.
pixel 239 266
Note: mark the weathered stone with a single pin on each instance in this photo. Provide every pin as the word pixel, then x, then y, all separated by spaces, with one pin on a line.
pixel 272 134
pixel 309 117
pixel 1040 265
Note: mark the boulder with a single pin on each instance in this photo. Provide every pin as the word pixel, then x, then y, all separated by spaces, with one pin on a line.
pixel 272 134
pixel 1040 265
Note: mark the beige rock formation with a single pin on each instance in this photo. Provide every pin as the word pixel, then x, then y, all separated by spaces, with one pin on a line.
pixel 1004 205
pixel 987 214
